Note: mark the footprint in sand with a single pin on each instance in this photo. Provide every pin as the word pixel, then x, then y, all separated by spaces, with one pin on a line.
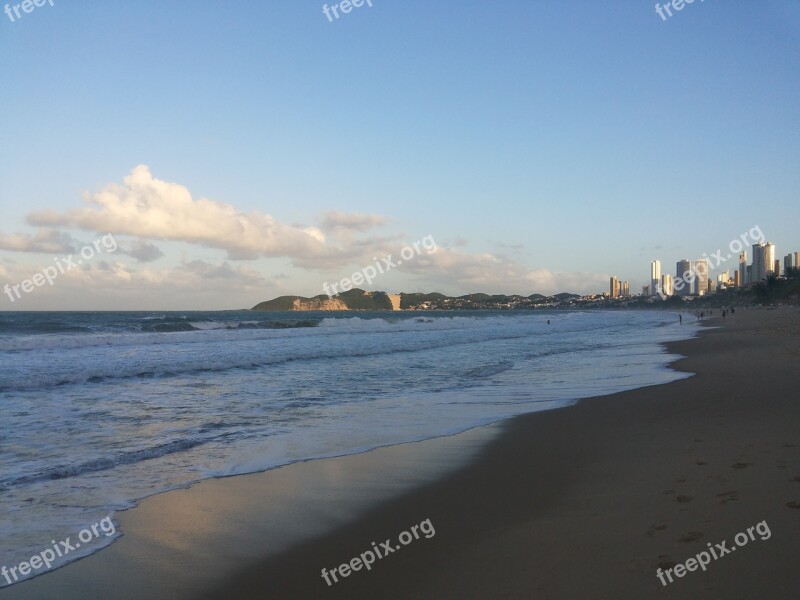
pixel 793 504
pixel 700 463
pixel 654 528
pixel 690 537
pixel 797 478
pixel 741 465
pixel 729 496
pixel 683 499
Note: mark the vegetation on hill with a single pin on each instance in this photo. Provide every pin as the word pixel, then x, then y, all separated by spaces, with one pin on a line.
pixel 775 290
pixel 355 299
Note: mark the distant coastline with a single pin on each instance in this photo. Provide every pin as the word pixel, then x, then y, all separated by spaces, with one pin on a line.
pixel 774 292
pixel 358 299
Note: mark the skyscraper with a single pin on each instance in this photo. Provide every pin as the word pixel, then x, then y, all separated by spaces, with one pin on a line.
pixel 666 285
pixel 655 277
pixel 613 287
pixel 771 257
pixel 763 261
pixel 700 268
pixel 683 270
pixel 742 269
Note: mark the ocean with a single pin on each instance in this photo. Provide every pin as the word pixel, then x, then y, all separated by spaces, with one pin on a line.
pixel 101 409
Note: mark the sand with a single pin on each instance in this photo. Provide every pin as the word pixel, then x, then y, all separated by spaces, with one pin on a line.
pixel 581 502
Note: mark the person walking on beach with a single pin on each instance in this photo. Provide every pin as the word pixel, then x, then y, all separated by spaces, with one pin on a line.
pixel 680 318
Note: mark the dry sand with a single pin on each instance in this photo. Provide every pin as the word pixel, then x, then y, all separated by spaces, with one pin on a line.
pixel 581 502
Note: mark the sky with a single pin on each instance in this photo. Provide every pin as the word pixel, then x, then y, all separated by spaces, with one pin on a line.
pixel 233 152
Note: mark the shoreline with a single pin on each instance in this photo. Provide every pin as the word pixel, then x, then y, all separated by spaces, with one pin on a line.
pixel 501 534
pixel 159 530
pixel 464 422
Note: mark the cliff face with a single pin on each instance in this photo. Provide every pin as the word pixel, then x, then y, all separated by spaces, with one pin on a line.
pixel 318 304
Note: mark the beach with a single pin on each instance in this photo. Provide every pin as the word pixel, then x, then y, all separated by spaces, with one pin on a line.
pixel 420 301
pixel 586 501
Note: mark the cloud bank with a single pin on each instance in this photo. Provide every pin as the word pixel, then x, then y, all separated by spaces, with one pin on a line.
pixel 152 210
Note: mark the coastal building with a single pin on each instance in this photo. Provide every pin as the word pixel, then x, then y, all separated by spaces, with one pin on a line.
pixel 763 261
pixel 737 279
pixel 683 271
pixel 777 269
pixel 770 258
pixel 742 269
pixel 626 289
pixel 666 284
pixel 797 260
pixel 655 276
pixel 613 287
pixel 788 263
pixel 700 270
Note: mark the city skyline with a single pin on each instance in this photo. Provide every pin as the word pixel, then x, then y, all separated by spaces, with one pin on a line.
pixel 706 278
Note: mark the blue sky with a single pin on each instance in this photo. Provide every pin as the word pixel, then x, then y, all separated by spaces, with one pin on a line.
pixel 544 145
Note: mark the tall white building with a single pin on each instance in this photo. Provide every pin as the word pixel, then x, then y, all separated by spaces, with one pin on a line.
pixel 763 261
pixel 613 286
pixel 666 284
pixel 771 258
pixel 655 277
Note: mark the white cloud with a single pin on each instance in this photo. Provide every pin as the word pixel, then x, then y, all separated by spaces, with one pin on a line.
pixel 102 284
pixel 336 221
pixel 147 207
pixel 144 251
pixel 45 241
pixel 453 271
pixel 152 209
